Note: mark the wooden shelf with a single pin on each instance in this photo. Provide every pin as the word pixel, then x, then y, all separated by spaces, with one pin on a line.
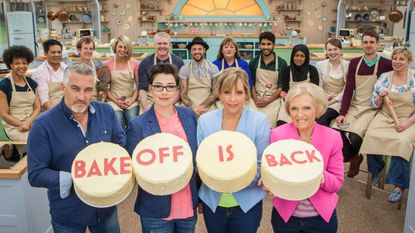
pixel 361 21
pixel 296 10
pixel 150 9
pixel 292 20
pixel 75 22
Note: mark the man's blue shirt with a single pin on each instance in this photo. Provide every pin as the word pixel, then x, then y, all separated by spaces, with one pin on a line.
pixel 54 141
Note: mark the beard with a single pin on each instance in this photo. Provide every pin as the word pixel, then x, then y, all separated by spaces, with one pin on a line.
pixel 79 110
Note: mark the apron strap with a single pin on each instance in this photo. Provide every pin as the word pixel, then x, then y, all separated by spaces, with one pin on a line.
pixel 358 66
pixel 223 63
pixel 155 60
pixel 13 85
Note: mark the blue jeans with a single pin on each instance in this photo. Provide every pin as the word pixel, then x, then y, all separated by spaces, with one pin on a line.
pixel 303 225
pixel 398 174
pixel 109 225
pixel 233 219
pixel 157 225
pixel 124 116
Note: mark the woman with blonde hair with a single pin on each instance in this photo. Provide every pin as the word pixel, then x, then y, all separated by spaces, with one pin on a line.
pixel 123 94
pixel 239 211
pixel 386 136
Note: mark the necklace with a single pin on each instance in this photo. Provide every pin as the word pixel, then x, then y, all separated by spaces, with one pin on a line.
pixel 306 139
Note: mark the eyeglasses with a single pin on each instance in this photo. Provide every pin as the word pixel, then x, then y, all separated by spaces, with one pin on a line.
pixel 169 88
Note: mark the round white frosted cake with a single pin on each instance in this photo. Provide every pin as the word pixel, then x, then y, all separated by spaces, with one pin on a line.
pixel 102 174
pixel 162 164
pixel 292 169
pixel 227 161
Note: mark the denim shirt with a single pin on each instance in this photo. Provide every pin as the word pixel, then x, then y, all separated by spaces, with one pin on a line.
pixel 54 141
pixel 256 127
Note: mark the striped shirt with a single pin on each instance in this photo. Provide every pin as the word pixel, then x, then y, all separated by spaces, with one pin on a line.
pixel 305 209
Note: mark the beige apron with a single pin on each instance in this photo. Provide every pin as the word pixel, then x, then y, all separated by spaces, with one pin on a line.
pixel 333 87
pixel 122 85
pixel 199 88
pixel 55 90
pixel 21 107
pixel 283 115
pixel 265 86
pixel 360 113
pixel 381 136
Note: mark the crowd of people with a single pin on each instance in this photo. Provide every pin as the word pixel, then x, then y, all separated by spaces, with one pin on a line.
pixel 346 109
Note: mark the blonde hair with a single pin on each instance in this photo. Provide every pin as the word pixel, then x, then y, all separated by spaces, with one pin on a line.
pixel 228 80
pixel 406 52
pixel 126 41
pixel 314 91
pixel 162 35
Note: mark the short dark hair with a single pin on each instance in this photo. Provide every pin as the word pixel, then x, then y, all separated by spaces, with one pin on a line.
pixel 15 52
pixel 228 40
pixel 371 34
pixel 163 68
pixel 50 42
pixel 335 42
pixel 85 40
pixel 267 35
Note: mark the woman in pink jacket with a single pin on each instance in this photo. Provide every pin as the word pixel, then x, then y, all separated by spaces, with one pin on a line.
pixel 305 103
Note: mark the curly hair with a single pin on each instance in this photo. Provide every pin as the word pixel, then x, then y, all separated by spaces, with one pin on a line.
pixel 15 52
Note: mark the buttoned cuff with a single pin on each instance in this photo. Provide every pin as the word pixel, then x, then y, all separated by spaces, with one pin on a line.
pixel 65 184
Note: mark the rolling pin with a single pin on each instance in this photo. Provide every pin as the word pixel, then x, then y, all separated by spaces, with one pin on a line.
pixel 391 109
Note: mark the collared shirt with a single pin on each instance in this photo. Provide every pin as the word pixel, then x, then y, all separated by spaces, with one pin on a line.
pixel 147 63
pixel 253 64
pixel 371 62
pixel 199 70
pixel 45 74
pixel 54 141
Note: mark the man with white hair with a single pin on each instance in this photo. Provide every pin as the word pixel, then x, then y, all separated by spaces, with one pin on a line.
pixel 55 139
pixel 162 55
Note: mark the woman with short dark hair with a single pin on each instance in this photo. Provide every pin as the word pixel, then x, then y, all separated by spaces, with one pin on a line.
pixel 19 102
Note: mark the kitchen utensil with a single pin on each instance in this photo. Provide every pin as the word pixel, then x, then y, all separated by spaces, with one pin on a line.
pixel 389 104
pixel 86 18
pixel 130 19
pixel 51 15
pixel 63 15
pixel 374 14
pixel 73 18
pixel 366 17
pixel 122 12
pixel 324 18
pixel 119 22
pixel 126 26
pixel 41 19
pixel 320 27
pixel 395 15
pixel 323 4
pixel 358 17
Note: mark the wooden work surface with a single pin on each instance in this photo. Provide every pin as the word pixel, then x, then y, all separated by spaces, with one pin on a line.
pixel 16 171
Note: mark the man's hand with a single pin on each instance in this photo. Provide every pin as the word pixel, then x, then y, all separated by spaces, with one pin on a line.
pixel 340 120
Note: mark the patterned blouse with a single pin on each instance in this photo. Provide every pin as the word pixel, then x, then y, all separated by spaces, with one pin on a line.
pixel 383 83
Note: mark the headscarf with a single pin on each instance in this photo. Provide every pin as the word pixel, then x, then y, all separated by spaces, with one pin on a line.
pixel 300 72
